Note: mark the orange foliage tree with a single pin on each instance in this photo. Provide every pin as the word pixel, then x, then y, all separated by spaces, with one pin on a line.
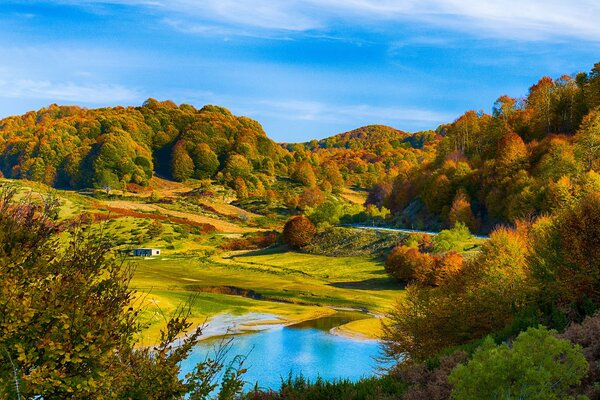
pixel 298 232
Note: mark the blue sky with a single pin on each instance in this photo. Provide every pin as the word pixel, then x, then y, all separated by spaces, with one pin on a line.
pixel 303 68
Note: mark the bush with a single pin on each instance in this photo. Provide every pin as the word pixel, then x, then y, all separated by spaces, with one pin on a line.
pixel 409 264
pixel 451 239
pixel 538 365
pixel 298 232
pixel 587 335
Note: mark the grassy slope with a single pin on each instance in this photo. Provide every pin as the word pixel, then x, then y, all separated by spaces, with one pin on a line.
pixel 305 282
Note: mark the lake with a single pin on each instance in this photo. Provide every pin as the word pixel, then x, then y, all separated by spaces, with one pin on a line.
pixel 306 348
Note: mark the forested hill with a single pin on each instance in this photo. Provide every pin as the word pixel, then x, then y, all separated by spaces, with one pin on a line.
pixel 531 156
pixel 74 147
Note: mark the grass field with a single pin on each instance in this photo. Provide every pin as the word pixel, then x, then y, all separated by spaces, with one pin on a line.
pixel 292 285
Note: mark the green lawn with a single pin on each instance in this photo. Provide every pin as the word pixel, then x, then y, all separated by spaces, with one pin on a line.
pixel 294 286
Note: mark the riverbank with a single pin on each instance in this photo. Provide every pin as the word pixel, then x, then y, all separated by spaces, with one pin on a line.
pixel 227 324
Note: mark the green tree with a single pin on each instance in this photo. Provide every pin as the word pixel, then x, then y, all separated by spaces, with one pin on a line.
pixel 538 366
pixel 205 160
pixel 238 165
pixel 182 165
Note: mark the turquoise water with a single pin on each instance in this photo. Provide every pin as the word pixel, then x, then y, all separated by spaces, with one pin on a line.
pixel 307 349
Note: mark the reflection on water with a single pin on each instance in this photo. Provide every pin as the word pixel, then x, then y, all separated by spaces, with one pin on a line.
pixel 332 321
pixel 307 349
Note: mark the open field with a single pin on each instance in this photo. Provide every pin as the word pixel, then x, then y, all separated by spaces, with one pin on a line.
pixel 291 285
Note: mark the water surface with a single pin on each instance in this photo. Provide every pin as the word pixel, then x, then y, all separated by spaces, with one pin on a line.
pixel 307 349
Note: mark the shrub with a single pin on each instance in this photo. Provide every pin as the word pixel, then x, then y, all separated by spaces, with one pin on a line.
pixel 587 335
pixel 298 232
pixel 538 365
pixel 451 239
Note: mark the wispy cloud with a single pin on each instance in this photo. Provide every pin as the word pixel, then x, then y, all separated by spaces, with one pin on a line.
pixel 509 19
pixel 68 91
pixel 336 113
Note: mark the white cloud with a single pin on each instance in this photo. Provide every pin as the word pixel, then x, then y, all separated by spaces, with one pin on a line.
pixel 334 113
pixel 68 91
pixel 508 19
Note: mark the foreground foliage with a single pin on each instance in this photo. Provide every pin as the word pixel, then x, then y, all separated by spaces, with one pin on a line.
pixel 68 322
pixel 537 365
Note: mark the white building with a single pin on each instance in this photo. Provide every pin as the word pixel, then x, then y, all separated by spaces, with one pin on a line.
pixel 146 252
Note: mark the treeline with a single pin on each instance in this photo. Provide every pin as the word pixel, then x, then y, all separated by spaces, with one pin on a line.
pixel 366 154
pixel 531 156
pixel 73 147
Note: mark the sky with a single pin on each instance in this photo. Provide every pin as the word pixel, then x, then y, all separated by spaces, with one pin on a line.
pixel 303 68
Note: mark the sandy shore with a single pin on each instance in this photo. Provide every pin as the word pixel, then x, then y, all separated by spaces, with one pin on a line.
pixel 229 324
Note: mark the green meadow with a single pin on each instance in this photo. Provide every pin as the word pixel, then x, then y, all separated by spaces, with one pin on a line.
pixel 293 286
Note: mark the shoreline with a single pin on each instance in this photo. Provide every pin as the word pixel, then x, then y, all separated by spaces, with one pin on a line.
pixel 227 324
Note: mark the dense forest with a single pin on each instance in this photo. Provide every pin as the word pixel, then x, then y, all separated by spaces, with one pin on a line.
pixel 73 147
pixel 530 156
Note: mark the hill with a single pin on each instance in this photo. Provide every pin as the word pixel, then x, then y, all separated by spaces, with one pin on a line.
pixel 74 147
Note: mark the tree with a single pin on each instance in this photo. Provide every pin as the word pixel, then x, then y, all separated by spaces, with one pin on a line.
pixel 182 165
pixel 205 161
pixel 408 264
pixel 460 212
pixel 311 197
pixel 238 165
pixel 155 229
pixel 587 141
pixel 298 232
pixel 537 366
pixel 304 174
pixel 540 102
pixel 241 190
pixel 68 322
pixel 332 174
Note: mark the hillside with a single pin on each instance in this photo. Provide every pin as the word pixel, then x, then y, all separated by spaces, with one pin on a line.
pixel 531 156
pixel 73 147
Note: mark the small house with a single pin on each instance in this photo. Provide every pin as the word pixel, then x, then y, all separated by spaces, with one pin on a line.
pixel 146 252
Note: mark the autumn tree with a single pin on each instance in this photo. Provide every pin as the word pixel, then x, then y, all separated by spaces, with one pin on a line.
pixel 69 321
pixel 298 232
pixel 566 262
pixel 587 141
pixel 474 299
pixel 310 197
pixel 540 102
pixel 182 165
pixel 332 174
pixel 461 212
pixel 240 187
pixel 304 174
